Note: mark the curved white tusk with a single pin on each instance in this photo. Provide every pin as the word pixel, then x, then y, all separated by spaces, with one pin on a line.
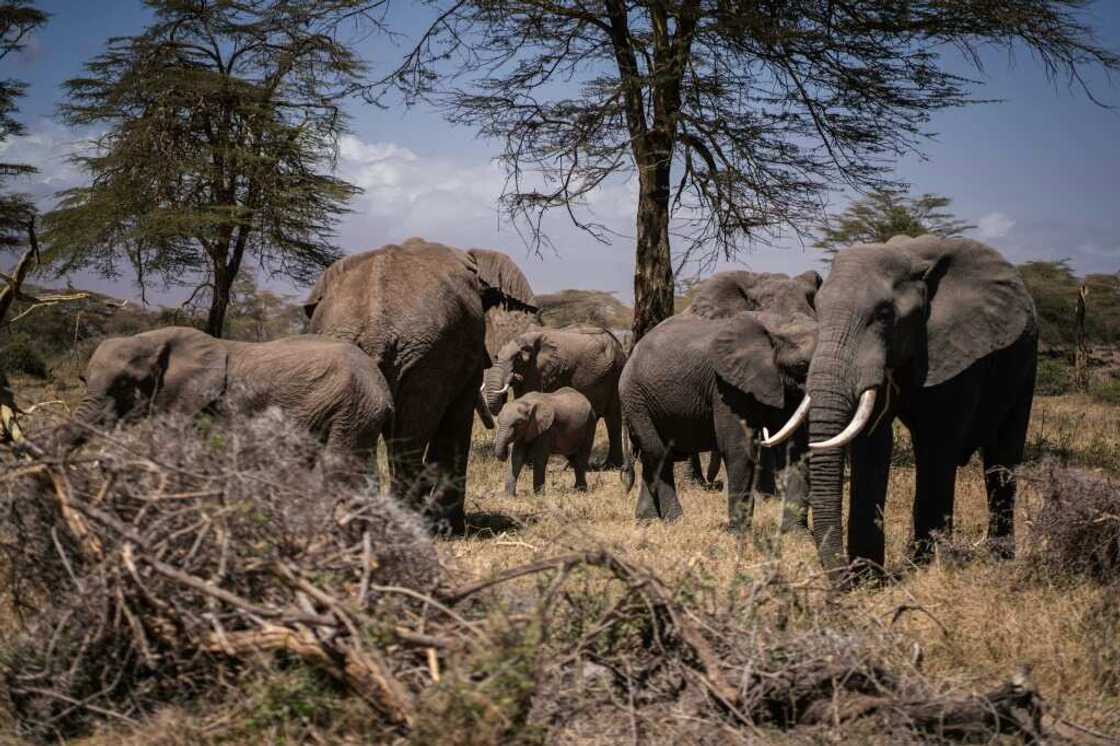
pixel 502 390
pixel 790 427
pixel 482 388
pixel 859 421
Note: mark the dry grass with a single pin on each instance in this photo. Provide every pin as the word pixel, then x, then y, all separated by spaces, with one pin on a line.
pixel 964 619
pixel 974 619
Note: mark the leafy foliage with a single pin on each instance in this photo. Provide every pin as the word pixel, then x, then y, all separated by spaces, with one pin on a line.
pixel 220 129
pixel 886 213
pixel 18 18
pixel 1053 285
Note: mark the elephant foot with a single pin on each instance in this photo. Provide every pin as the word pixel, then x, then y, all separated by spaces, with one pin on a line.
pixel 606 465
pixel 713 486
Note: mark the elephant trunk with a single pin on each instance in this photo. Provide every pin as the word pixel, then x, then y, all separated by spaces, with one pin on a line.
pixel 91 412
pixel 495 384
pixel 502 441
pixel 830 412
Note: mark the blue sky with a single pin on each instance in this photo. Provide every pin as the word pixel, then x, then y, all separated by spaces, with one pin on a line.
pixel 1039 173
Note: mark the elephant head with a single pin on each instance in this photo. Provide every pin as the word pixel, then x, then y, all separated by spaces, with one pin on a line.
pixel 521 364
pixel 522 421
pixel 765 355
pixel 911 313
pixel 174 369
pixel 726 294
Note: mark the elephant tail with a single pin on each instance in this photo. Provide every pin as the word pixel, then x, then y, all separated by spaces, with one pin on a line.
pixel 629 450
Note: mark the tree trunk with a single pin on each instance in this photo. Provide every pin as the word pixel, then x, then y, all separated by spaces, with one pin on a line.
pixel 219 301
pixel 225 273
pixel 653 268
pixel 1080 342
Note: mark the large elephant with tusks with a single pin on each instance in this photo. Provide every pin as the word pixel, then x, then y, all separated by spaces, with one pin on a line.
pixel 943 334
pixel 418 309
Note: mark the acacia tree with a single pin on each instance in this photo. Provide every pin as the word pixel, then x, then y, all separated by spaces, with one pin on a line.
pixel 886 213
pixel 220 126
pixel 736 116
pixel 18 18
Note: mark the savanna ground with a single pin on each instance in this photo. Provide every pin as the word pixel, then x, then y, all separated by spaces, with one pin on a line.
pixel 965 620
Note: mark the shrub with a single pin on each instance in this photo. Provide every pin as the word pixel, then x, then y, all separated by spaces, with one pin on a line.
pixel 19 355
pixel 1107 392
pixel 200 551
pixel 1077 531
pixel 1055 377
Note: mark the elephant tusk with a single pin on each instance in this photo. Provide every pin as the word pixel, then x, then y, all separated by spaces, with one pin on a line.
pixel 502 390
pixel 859 421
pixel 788 429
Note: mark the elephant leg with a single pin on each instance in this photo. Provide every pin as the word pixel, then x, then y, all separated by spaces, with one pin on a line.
pixel 447 459
pixel 1001 457
pixel 768 467
pixel 539 453
pixel 695 468
pixel 516 461
pixel 871 464
pixel 613 419
pixel 936 480
pixel 741 471
pixel 715 459
pixel 658 497
pixel 579 466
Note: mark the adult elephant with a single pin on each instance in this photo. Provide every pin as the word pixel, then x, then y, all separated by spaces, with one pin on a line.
pixel 327 386
pixel 586 358
pixel 726 294
pixel 943 334
pixel 418 310
pixel 694 384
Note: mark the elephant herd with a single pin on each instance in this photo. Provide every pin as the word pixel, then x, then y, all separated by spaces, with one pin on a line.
pixel 780 377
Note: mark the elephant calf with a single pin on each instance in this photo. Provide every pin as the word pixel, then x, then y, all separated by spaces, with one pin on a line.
pixel 538 425
pixel 332 388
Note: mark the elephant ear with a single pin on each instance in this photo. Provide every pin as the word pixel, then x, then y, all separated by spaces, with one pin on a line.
pixel 743 354
pixel 978 302
pixel 502 281
pixel 194 367
pixel 550 358
pixel 812 281
pixel 543 415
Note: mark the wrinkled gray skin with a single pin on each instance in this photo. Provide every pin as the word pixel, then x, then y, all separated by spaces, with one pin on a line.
pixel 588 359
pixel 950 321
pixel 694 384
pixel 418 310
pixel 726 294
pixel 329 387
pixel 538 425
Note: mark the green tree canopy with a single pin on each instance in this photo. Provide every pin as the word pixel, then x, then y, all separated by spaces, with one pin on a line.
pixel 220 127
pixel 886 213
pixel 1054 286
pixel 18 18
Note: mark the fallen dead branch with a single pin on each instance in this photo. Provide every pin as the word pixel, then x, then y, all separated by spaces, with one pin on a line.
pixel 184 551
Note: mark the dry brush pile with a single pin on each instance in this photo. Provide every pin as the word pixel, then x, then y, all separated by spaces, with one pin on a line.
pixel 163 558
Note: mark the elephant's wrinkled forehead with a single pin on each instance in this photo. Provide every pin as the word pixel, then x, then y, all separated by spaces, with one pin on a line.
pixel 862 273
pixel 513 412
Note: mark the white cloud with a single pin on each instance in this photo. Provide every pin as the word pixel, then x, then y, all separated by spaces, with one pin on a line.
pixel 994 225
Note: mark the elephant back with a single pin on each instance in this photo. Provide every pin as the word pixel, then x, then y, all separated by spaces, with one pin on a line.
pixel 727 294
